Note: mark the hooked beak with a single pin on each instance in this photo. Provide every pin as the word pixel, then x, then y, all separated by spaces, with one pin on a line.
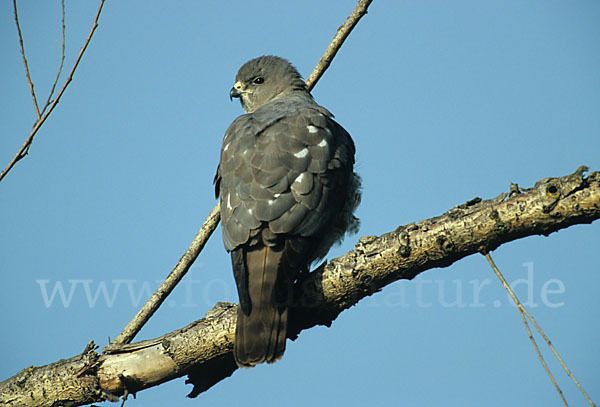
pixel 236 91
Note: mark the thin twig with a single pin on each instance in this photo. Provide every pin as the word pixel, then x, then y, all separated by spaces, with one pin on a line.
pixel 564 366
pixel 29 81
pixel 25 147
pixel 343 32
pixel 212 221
pixel 522 313
pixel 62 60
pixel 553 349
pixel 154 302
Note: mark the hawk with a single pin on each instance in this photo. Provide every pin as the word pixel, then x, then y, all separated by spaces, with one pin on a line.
pixel 288 192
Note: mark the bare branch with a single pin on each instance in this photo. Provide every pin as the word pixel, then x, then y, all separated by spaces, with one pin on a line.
pixel 174 277
pixel 25 147
pixel 342 33
pixel 522 311
pixel 29 81
pixel 62 59
pixel 203 349
pixel 212 221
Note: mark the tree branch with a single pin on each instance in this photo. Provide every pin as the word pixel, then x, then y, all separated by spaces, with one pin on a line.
pixel 22 47
pixel 174 277
pixel 212 221
pixel 25 147
pixel 203 349
pixel 62 58
pixel 342 33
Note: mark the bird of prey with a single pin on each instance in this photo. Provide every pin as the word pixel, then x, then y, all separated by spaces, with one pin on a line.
pixel 288 192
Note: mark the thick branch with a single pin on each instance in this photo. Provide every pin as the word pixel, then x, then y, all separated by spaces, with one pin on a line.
pixel 203 349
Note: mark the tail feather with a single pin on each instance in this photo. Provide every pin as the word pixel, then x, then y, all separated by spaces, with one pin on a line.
pixel 261 330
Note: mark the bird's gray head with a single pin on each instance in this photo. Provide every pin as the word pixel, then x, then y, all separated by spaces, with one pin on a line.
pixel 264 79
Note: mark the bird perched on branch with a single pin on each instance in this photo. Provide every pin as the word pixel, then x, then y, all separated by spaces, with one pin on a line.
pixel 288 193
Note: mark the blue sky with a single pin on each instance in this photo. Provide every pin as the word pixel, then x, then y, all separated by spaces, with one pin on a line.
pixel 445 101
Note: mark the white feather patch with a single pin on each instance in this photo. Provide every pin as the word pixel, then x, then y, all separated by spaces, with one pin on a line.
pixel 302 153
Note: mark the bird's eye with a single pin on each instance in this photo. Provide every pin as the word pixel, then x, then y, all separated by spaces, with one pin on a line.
pixel 259 80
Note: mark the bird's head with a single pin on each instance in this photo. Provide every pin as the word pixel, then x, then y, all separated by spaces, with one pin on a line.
pixel 264 79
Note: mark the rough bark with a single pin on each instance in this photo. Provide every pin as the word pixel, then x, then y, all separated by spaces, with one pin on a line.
pixel 202 350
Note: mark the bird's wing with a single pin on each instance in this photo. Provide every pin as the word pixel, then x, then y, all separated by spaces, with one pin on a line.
pixel 287 178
